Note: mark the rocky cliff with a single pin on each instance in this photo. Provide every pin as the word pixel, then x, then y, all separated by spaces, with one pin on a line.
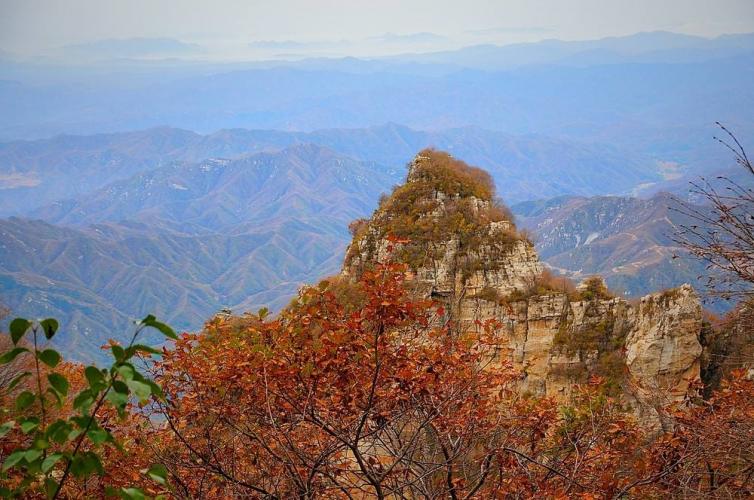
pixel 463 250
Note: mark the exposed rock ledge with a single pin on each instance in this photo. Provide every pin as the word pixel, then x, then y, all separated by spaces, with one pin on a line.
pixel 650 351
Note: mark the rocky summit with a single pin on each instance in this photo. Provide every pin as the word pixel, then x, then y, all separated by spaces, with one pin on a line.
pixel 463 250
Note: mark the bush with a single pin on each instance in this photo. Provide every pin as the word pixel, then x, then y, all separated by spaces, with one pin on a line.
pixel 593 288
pixel 357 227
pixel 602 338
pixel 546 283
pixel 487 293
pixel 451 176
pixel 53 438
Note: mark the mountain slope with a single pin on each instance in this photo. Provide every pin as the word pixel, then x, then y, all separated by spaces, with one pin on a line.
pixel 303 181
pixel 243 233
pixel 626 240
pixel 36 173
pixel 464 252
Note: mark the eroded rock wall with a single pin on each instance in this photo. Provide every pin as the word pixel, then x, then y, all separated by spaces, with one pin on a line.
pixel 650 350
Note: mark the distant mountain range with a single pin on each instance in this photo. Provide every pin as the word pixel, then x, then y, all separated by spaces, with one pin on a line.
pixel 652 94
pixel 628 241
pixel 36 173
pixel 193 239
pixel 248 192
pixel 184 240
pixel 646 47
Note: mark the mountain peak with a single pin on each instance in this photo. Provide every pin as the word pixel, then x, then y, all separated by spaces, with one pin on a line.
pixel 439 171
pixel 463 251
pixel 454 234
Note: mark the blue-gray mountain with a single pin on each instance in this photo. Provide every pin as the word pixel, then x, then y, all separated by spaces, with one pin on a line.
pixel 628 241
pixel 655 94
pixel 187 239
pixel 190 240
pixel 36 173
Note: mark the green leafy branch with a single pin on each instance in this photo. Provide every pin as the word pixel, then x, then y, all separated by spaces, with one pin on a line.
pixel 56 450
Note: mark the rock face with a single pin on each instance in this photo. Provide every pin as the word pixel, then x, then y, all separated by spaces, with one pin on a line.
pixel 463 250
pixel 663 350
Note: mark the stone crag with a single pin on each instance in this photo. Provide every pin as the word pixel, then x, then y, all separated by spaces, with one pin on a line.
pixel 464 251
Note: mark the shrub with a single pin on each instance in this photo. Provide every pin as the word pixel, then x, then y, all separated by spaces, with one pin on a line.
pixel 451 176
pixel 54 438
pixel 593 288
pixel 357 227
pixel 602 338
pixel 546 283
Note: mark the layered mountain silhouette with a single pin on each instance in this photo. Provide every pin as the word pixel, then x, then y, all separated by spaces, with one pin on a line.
pixel 36 173
pixel 651 95
pixel 628 241
pixel 189 241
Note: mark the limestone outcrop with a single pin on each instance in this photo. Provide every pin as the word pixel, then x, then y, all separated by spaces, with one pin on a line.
pixel 463 250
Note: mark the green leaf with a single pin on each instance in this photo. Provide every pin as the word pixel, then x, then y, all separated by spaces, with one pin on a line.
pixel 140 389
pixel 49 326
pixel 118 353
pixel 50 357
pixel 24 400
pixel 51 487
pixel 11 355
pixel 126 371
pixel 117 398
pixel 32 454
pixel 58 431
pixel 83 401
pixel 18 328
pixel 263 312
pixel 95 378
pixel 6 427
pixel 120 387
pixel 159 474
pixel 29 424
pixel 156 389
pixel 98 436
pixel 17 380
pixel 151 321
pixel 132 494
pixel 13 459
pixel 41 443
pixel 56 395
pixel 86 464
pixel 83 421
pixel 141 348
pixel 59 382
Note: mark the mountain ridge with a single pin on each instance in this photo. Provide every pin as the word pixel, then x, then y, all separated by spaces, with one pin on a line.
pixel 469 258
pixel 71 166
pixel 94 276
pixel 628 241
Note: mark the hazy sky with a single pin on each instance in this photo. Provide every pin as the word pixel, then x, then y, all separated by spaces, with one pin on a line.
pixel 226 27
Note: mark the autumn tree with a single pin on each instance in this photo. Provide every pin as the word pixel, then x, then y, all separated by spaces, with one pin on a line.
pixel 710 453
pixel 323 402
pixel 374 401
pixel 721 232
